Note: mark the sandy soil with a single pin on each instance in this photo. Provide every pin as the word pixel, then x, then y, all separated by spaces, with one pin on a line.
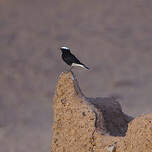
pixel 112 37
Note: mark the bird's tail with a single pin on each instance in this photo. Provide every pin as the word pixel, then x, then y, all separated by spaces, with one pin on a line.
pixel 86 67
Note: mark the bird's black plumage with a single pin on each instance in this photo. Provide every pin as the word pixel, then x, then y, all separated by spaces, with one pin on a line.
pixel 69 58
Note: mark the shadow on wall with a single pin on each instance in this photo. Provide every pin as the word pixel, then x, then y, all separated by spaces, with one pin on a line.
pixel 115 121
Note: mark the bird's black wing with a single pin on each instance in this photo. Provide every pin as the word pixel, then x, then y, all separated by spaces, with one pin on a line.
pixel 75 59
pixel 70 58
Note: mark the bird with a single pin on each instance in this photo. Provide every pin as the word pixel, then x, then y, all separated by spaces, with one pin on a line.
pixel 70 59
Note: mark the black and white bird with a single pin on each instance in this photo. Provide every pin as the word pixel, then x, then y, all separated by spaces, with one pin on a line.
pixel 70 59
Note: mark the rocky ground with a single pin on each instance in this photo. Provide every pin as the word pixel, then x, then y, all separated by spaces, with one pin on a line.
pixel 112 37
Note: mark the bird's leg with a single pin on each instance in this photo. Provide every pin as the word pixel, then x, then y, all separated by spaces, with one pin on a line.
pixel 70 68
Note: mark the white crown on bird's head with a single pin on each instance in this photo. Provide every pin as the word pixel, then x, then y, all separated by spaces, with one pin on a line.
pixel 64 48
